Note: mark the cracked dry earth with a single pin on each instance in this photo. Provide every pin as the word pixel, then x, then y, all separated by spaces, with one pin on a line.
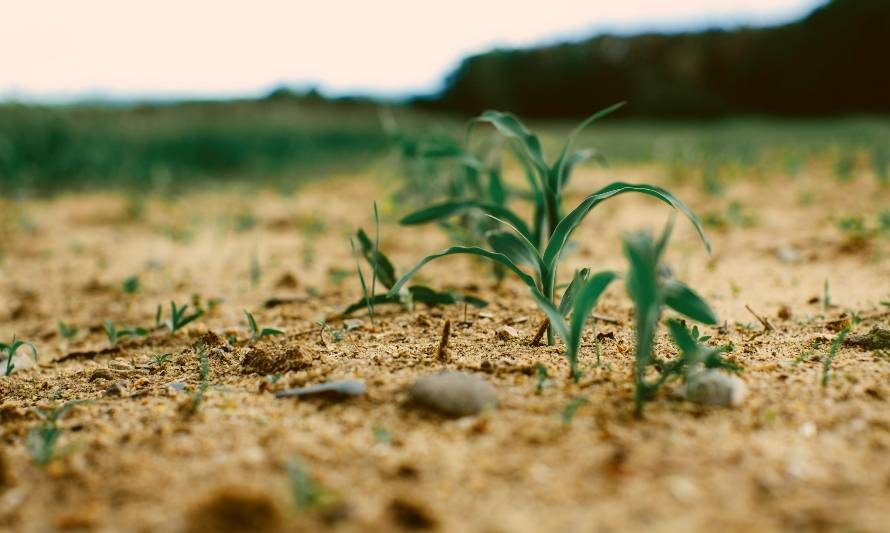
pixel 794 456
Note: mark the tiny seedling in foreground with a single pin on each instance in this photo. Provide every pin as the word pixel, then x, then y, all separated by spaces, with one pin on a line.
pixel 67 331
pixel 10 350
pixel 257 333
pixel 305 492
pixel 203 379
pixel 651 290
pixel 178 317
pixel 42 441
pixel 832 353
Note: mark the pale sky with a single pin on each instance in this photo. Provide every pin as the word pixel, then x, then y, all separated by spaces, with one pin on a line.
pixel 64 49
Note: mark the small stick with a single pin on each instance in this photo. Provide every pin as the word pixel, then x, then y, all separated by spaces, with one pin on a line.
pixel 540 333
pixel 443 341
pixel 605 319
pixel 766 325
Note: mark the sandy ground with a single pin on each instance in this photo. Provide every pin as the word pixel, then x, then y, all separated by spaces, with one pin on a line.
pixel 794 456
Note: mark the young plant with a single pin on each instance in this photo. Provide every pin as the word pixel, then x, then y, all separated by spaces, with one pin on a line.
pixel 580 298
pixel 42 441
pixel 539 246
pixel 114 334
pixel 67 331
pixel 178 317
pixel 161 359
pixel 304 491
pixel 832 352
pixel 203 379
pixel 9 350
pixel 131 285
pixel 651 289
pixel 386 273
pixel 257 333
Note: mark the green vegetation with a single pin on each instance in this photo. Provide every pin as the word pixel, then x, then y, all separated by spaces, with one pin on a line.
pixel 131 285
pixel 42 441
pixel 257 333
pixel 114 334
pixel 305 492
pixel 203 379
pixel 9 350
pixel 832 353
pixel 651 289
pixel 67 331
pixel 541 244
pixel 178 317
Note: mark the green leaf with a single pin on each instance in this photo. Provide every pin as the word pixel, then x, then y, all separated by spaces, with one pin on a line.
pixel 571 221
pixel 557 320
pixel 448 209
pixel 563 161
pixel 568 297
pixel 685 301
pixel 512 128
pixel 682 337
pixel 386 272
pixel 471 250
pixel 585 301
pixel 518 249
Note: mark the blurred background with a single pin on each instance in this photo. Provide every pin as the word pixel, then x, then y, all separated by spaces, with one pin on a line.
pixel 166 95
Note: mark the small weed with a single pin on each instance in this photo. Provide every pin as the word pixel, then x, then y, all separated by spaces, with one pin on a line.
pixel 161 359
pixel 256 272
pixel 826 297
pixel 178 317
pixel 304 491
pixel 543 381
pixel 832 353
pixel 114 334
pixel 203 378
pixel 42 441
pixel 131 285
pixel 10 350
pixel 67 331
pixel 257 333
pixel 568 412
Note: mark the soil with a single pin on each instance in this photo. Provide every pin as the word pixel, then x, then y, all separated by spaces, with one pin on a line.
pixel 795 455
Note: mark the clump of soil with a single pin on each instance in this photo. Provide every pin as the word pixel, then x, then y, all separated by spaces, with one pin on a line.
pixel 235 509
pixel 268 360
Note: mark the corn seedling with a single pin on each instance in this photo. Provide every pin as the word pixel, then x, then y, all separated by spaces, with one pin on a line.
pixel 257 333
pixel 42 441
pixel 178 317
pixel 543 380
pixel 386 273
pixel 67 331
pixel 131 285
pixel 651 289
pixel 203 379
pixel 304 491
pixel 832 353
pixel 114 334
pixel 538 246
pixel 568 412
pixel 580 298
pixel 9 350
pixel 160 359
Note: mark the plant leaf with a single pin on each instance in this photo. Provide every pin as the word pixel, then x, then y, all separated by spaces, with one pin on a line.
pixel 448 209
pixel 557 320
pixel 581 276
pixel 585 301
pixel 685 301
pixel 563 161
pixel 511 127
pixel 386 272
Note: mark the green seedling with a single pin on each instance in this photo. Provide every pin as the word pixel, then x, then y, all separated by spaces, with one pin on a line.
pixel 826 296
pixel 257 333
pixel 832 353
pixel 114 334
pixel 203 379
pixel 131 284
pixel 304 491
pixel 256 272
pixel 9 350
pixel 568 413
pixel 42 441
pixel 160 359
pixel 67 331
pixel 386 274
pixel 382 435
pixel 541 245
pixel 543 378
pixel 651 290
pixel 178 317
pixel 580 297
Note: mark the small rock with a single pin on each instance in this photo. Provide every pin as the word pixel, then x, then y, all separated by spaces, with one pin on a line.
pixel 507 333
pixel 353 323
pixel 713 387
pixel 454 393
pixel 787 254
pixel 176 386
pixel 876 339
pixel 101 373
pixel 116 389
pixel 334 390
pixel 411 514
pixel 287 281
pixel 271 360
pixel 119 365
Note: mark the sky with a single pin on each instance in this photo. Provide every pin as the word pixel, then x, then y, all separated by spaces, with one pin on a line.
pixel 54 50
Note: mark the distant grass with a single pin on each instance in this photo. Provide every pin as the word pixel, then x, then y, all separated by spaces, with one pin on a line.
pixel 47 149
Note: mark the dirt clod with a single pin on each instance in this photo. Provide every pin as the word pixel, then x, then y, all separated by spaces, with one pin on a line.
pixel 265 361
pixel 235 509
pixel 411 515
pixel 877 338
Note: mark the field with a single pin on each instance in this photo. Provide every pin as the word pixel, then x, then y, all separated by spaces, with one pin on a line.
pixel 181 430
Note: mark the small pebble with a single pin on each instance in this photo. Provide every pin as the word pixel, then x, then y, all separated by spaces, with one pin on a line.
pixel 787 254
pixel 454 393
pixel 176 386
pixel 507 333
pixel 713 387
pixel 335 390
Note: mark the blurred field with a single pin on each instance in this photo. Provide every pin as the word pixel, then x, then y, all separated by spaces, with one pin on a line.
pixel 287 140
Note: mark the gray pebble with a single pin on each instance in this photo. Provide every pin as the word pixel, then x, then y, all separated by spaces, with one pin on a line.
pixel 339 389
pixel 454 393
pixel 713 387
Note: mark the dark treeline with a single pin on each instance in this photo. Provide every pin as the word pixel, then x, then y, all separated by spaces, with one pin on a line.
pixel 833 61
